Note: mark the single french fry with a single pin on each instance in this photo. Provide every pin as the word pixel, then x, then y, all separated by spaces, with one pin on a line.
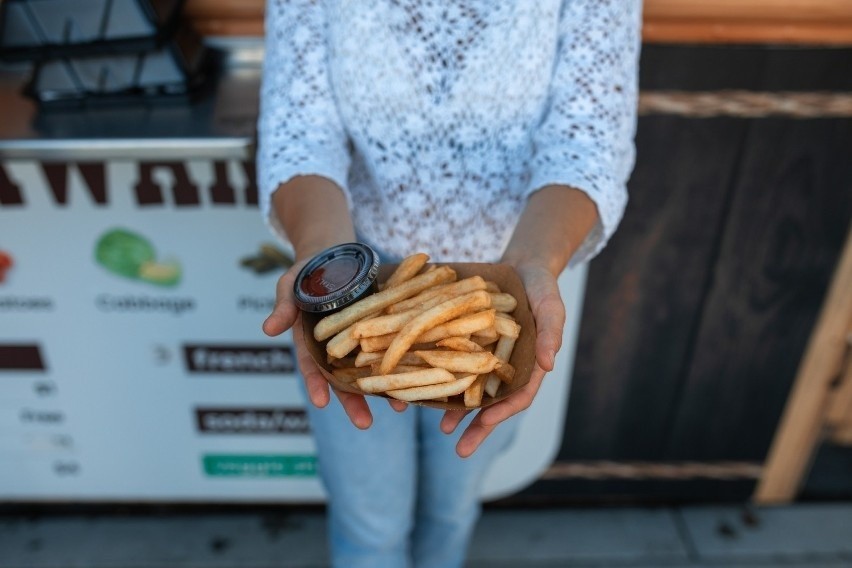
pixel 473 393
pixel 503 351
pixel 447 292
pixel 349 374
pixel 505 346
pixel 339 321
pixel 460 344
pixel 417 300
pixel 503 302
pixel 407 269
pixel 460 362
pixel 364 359
pixel 484 341
pixel 374 368
pixel 507 327
pixel 491 286
pixel 383 325
pixel 377 343
pixel 489 331
pixel 460 327
pixel 423 377
pixel 432 391
pixel 492 385
pixel 505 372
pixel 341 344
pixel 432 317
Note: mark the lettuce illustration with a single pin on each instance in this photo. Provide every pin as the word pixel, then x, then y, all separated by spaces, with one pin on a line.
pixel 131 255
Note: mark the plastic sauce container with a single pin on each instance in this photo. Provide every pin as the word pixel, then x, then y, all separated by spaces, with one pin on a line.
pixel 336 277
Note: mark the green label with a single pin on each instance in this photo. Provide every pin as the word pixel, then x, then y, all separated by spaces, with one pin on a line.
pixel 259 465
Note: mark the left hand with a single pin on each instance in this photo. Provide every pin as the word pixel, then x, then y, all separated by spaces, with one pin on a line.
pixel 549 313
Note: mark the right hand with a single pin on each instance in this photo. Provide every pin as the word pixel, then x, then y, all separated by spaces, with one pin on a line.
pixel 286 315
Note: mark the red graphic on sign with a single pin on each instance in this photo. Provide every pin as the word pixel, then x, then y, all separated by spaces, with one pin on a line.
pixel 6 263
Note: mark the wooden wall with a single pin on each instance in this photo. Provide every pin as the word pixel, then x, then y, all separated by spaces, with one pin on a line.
pixel 698 311
pixel 666 21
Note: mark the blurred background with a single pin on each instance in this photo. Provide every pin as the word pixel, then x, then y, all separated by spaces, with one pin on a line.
pixel 708 346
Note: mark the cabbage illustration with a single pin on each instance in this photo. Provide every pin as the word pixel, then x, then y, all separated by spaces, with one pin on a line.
pixel 130 255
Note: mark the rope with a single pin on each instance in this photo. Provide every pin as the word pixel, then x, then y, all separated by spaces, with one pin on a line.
pixel 654 470
pixel 747 104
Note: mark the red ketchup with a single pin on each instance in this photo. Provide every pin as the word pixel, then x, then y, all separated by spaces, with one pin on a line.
pixel 336 277
pixel 331 276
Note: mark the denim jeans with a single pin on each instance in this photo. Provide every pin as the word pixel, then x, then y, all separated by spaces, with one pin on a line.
pixel 399 495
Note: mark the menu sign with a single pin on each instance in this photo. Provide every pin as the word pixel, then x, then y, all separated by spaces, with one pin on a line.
pixel 132 362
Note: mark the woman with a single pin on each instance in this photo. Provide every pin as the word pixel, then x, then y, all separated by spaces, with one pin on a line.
pixel 475 131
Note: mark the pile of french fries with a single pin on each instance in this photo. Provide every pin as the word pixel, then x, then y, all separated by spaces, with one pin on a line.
pixel 425 336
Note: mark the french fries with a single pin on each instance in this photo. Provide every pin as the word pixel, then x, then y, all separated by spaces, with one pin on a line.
pixel 425 336
pixel 339 321
pixel 459 362
pixel 407 269
pixel 430 318
pixel 383 383
pixel 460 344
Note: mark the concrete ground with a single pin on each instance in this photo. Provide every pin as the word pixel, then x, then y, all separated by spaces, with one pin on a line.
pixel 800 536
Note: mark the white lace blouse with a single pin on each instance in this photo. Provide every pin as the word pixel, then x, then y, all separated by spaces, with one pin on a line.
pixel 438 118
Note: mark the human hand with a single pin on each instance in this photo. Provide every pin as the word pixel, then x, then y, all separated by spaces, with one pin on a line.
pixel 286 315
pixel 549 314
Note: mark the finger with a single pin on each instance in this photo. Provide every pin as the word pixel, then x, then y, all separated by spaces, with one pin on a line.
pixel 356 408
pixel 315 383
pixel 451 420
pixel 550 320
pixel 284 313
pixel 398 405
pixel 515 403
pixel 473 436
pixel 549 313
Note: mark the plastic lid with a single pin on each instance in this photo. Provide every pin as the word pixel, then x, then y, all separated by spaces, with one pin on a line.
pixel 336 277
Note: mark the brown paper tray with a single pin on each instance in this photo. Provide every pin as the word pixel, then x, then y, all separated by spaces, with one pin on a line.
pixel 523 357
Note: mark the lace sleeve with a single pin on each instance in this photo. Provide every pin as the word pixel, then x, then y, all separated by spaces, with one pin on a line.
pixel 586 137
pixel 299 129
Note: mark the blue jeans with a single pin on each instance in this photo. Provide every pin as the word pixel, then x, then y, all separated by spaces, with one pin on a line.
pixel 399 495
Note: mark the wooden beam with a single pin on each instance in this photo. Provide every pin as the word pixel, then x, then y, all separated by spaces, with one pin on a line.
pixel 730 31
pixel 801 425
pixel 839 414
pixel 812 22
pixel 230 27
pixel 763 10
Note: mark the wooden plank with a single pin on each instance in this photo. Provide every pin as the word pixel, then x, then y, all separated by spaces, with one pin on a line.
pixel 785 231
pixel 645 290
pixel 799 431
pixel 762 10
pixel 224 9
pixel 756 10
pixel 839 413
pixel 230 27
pixel 820 22
pixel 728 31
